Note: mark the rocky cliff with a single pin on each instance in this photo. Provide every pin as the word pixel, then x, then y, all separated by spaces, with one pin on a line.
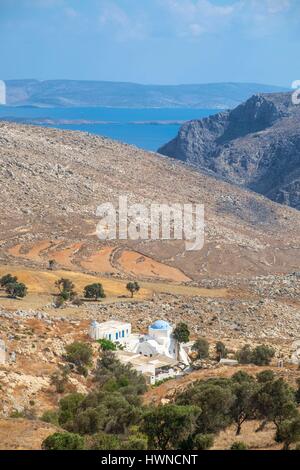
pixel 256 145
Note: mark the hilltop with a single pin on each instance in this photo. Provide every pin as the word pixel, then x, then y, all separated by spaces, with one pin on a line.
pixel 70 93
pixel 52 182
pixel 256 146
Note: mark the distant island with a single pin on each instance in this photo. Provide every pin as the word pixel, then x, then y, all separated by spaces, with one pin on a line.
pixel 77 93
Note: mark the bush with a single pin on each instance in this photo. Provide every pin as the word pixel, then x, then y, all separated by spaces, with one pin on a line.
pixel 221 350
pixel 8 279
pixel 239 445
pixel 68 408
pixel 168 426
pixel 50 417
pixel 63 441
pixel 107 345
pixel 288 432
pixel 244 355
pixel 182 333
pixel 94 291
pixel 260 356
pixel 203 441
pixel 16 289
pixel 133 287
pixel 79 353
pixel 103 441
pixel 201 347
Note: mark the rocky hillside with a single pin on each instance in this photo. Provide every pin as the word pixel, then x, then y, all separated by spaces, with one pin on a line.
pixel 52 182
pixel 256 145
pixel 130 95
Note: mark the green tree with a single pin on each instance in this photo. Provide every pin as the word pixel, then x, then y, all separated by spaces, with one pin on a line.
pixel 133 287
pixel 94 291
pixel 51 264
pixel 79 354
pixel 63 441
pixel 244 388
pixel 214 397
pixel 201 347
pixel 68 408
pixel 8 279
pixel 107 345
pixel 103 441
pixel 16 289
pixel 275 401
pixel 60 379
pixel 265 376
pixel 167 426
pixel 288 432
pixel 182 333
pixel 221 350
pixel 64 285
pixel 203 441
pixel 262 355
pixel 244 355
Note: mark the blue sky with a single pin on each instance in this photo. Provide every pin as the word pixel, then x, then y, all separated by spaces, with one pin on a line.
pixel 151 41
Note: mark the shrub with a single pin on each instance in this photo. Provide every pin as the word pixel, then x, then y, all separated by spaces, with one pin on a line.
pixel 244 355
pixel 16 289
pixel 221 350
pixel 8 279
pixel 68 407
pixel 50 417
pixel 262 355
pixel 201 347
pixel 182 333
pixel 79 353
pixel 103 441
pixel 239 445
pixel 288 432
pixel 63 441
pixel 107 345
pixel 169 425
pixel 94 291
pixel 203 441
pixel 133 287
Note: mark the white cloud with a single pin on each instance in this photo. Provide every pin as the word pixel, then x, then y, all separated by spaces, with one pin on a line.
pixel 122 25
pixel 254 17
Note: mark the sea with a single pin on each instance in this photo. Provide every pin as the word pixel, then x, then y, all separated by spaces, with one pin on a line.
pixel 146 128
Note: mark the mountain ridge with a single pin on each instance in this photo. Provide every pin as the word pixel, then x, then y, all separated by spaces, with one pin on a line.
pixel 54 180
pixel 72 93
pixel 256 145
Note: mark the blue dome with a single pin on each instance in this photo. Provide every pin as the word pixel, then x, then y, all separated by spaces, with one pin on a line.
pixel 160 325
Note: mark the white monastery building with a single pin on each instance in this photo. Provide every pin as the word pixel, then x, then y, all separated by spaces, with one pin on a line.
pixel 154 354
pixel 113 330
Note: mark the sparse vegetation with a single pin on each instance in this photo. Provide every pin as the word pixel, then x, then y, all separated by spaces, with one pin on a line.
pixel 133 287
pixel 201 347
pixel 107 345
pixel 182 333
pixel 80 354
pixel 8 279
pixel 260 356
pixel 94 291
pixel 63 441
pixel 221 350
pixel 16 290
